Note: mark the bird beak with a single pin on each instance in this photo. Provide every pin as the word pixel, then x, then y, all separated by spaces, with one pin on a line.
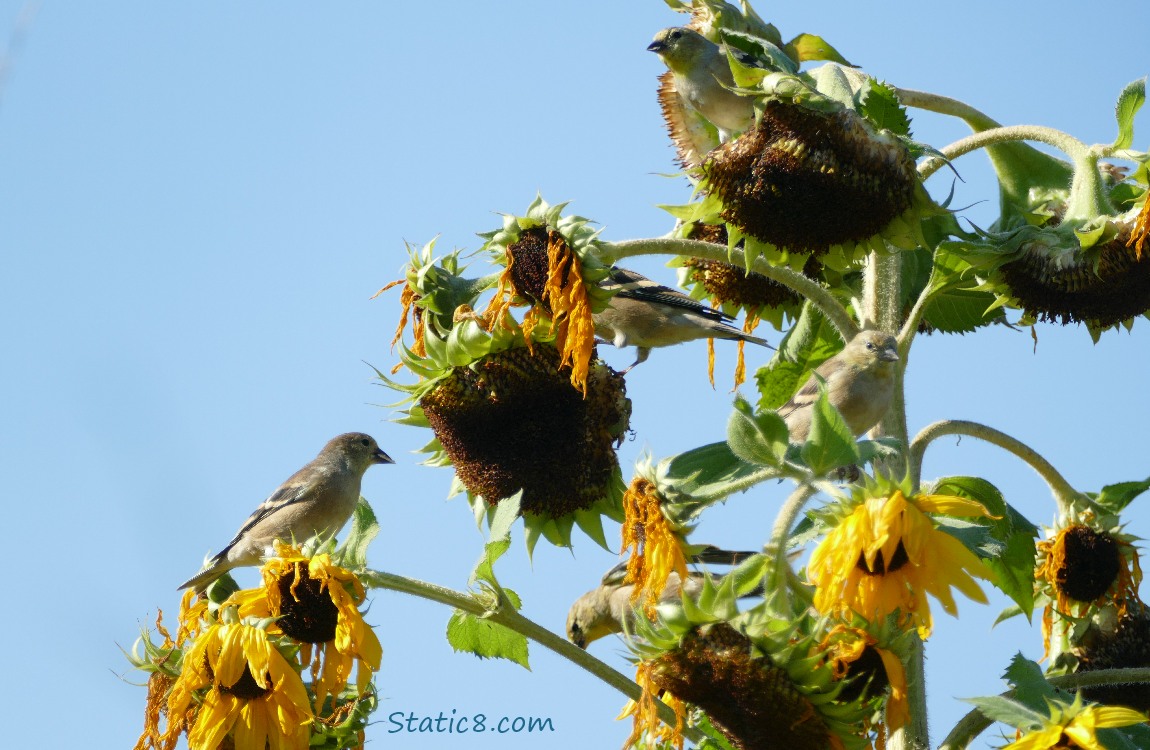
pixel 379 457
pixel 656 46
pixel 890 354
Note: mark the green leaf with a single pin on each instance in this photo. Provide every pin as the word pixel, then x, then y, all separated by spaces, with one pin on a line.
pixel 882 449
pixel 1129 102
pixel 1135 737
pixel 962 311
pixel 1012 554
pixel 811 47
pixel 1115 497
pixel 1030 685
pixel 998 708
pixel 810 342
pixel 709 473
pixel 831 443
pixel 504 515
pixel 352 554
pixel 757 438
pixel 486 639
pixel 881 106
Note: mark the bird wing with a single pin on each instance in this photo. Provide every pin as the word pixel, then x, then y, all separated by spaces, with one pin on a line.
pixel 631 285
pixel 289 493
pixel 803 397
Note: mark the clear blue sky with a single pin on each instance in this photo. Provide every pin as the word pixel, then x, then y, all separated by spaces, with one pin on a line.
pixel 198 199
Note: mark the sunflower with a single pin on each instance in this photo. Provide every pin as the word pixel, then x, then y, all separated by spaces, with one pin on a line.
pixel 1119 643
pixel 813 178
pixel 886 555
pixel 1086 565
pixel 1075 726
pixel 1081 259
pixel 550 262
pixel 253 693
pixel 316 604
pixel 870 664
pixel 757 674
pixel 503 400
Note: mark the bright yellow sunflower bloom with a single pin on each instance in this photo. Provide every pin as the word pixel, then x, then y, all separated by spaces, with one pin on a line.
pixel 887 555
pixel 1074 726
pixel 254 693
pixel 317 604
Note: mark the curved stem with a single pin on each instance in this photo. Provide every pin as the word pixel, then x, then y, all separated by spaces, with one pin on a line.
pixel 817 294
pixel 509 618
pixel 910 326
pixel 1063 142
pixel 777 546
pixel 1065 495
pixel 975 723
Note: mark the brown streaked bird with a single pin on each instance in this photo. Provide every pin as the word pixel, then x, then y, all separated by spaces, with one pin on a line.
pixel 645 314
pixel 318 499
pixel 859 382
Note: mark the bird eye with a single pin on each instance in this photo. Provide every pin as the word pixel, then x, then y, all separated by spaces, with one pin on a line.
pixel 365 442
pixel 676 34
pixel 870 346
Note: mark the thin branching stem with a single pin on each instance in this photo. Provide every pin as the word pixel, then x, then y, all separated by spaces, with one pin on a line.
pixel 777 547
pixel 510 618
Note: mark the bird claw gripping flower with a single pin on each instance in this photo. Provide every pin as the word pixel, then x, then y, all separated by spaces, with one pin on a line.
pixel 502 398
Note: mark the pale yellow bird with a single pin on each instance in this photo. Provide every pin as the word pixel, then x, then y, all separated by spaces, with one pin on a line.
pixel 859 381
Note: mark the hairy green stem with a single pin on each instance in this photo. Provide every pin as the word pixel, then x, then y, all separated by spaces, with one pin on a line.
pixel 509 618
pixel 910 325
pixel 777 546
pixel 1069 145
pixel 812 290
pixel 882 301
pixel 883 293
pixel 916 734
pixel 975 722
pixel 1064 494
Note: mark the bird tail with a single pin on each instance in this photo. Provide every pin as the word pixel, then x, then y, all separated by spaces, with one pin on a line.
pixel 200 581
pixel 755 340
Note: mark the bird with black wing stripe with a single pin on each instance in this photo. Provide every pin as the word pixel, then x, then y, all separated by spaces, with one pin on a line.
pixel 645 314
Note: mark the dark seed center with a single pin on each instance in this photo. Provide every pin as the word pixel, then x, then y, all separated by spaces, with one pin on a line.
pixel 1091 564
pixel 867 676
pixel 897 560
pixel 309 615
pixel 245 688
